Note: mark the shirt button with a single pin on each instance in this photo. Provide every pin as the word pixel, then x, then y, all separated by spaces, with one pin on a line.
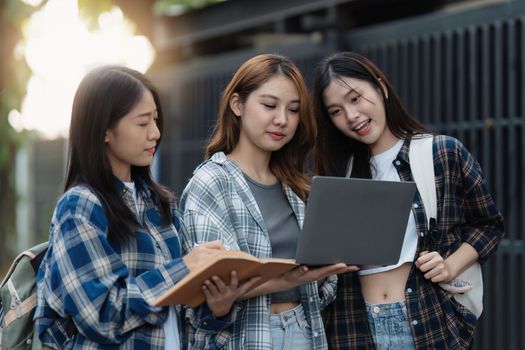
pixel 311 299
pixel 376 309
pixel 316 334
pixel 409 290
pixel 205 323
pixel 414 322
pixel 397 162
pixel 422 234
pixel 416 205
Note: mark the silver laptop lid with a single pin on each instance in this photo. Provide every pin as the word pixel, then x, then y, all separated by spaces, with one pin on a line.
pixel 355 221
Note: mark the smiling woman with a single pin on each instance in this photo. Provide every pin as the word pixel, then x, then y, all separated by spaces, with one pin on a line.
pixel 364 131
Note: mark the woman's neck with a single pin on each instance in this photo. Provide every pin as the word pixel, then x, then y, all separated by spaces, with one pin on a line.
pixel 123 175
pixel 387 140
pixel 254 163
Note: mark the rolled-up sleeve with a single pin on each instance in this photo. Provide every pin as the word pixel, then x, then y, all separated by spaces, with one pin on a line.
pixel 484 227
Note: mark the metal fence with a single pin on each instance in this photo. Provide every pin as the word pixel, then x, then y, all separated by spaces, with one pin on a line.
pixel 460 73
pixel 463 75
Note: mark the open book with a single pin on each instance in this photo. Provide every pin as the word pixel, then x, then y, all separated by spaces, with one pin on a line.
pixel 188 291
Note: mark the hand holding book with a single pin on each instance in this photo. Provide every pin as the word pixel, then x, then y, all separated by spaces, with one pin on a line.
pixel 212 261
pixel 220 296
pixel 201 253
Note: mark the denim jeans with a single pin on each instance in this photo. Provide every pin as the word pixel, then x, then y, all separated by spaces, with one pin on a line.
pixel 291 331
pixel 389 326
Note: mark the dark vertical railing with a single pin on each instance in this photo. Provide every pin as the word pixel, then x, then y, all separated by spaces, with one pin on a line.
pixel 472 85
pixel 461 74
pixel 427 95
pixel 467 80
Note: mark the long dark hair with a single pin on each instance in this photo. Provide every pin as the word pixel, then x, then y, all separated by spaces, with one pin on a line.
pixel 288 164
pixel 333 149
pixel 104 96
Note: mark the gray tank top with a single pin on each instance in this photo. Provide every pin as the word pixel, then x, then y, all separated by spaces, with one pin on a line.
pixel 283 229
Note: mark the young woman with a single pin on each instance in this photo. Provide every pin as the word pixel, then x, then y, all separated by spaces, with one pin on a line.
pixel 115 237
pixel 249 194
pixel 364 131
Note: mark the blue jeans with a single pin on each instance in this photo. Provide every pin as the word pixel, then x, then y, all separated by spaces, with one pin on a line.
pixel 389 326
pixel 291 331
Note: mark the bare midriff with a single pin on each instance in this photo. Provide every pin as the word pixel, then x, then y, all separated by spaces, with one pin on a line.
pixel 277 308
pixel 385 287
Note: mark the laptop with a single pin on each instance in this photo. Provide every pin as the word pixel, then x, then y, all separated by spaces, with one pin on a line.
pixel 355 221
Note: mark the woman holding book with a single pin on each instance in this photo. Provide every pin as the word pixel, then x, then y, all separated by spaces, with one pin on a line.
pixel 115 238
pixel 249 194
pixel 364 131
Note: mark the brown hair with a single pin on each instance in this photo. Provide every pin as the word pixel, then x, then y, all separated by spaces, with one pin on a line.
pixel 288 164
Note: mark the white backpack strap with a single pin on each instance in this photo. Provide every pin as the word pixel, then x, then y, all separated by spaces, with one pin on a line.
pixel 422 167
pixel 421 160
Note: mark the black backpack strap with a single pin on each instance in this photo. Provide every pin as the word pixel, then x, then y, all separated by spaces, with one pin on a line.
pixel 62 331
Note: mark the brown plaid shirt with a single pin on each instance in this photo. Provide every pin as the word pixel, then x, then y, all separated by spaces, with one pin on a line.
pixel 466 213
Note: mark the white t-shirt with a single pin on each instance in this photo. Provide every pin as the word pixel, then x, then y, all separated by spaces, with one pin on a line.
pixel 171 328
pixel 131 186
pixel 383 169
pixel 171 331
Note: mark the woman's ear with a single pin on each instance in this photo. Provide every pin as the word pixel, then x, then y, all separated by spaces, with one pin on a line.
pixel 236 104
pixel 107 137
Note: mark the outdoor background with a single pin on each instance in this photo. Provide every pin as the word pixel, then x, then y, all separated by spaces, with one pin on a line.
pixel 459 67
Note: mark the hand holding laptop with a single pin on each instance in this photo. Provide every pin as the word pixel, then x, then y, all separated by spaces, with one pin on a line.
pixel 304 274
pixel 300 275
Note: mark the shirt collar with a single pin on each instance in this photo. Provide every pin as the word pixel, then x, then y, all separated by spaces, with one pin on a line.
pixel 403 152
pixel 140 184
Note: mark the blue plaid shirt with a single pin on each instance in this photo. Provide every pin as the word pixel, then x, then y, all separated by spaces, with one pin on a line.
pixel 466 213
pixel 104 292
pixel 218 205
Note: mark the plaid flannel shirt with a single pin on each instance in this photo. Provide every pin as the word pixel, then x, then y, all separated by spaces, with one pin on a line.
pixel 466 213
pixel 102 291
pixel 218 205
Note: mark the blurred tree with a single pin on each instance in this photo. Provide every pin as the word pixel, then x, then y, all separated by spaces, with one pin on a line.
pixel 180 6
pixel 13 78
pixel 91 9
pixel 14 74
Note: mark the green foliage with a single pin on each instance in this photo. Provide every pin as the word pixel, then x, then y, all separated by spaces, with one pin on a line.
pixel 163 6
pixel 91 9
pixel 14 74
pixel 16 12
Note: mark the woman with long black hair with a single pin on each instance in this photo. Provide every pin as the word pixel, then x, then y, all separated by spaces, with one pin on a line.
pixel 364 131
pixel 116 237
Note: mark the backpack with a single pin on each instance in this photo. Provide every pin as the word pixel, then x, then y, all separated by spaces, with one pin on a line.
pixel 18 301
pixel 467 287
